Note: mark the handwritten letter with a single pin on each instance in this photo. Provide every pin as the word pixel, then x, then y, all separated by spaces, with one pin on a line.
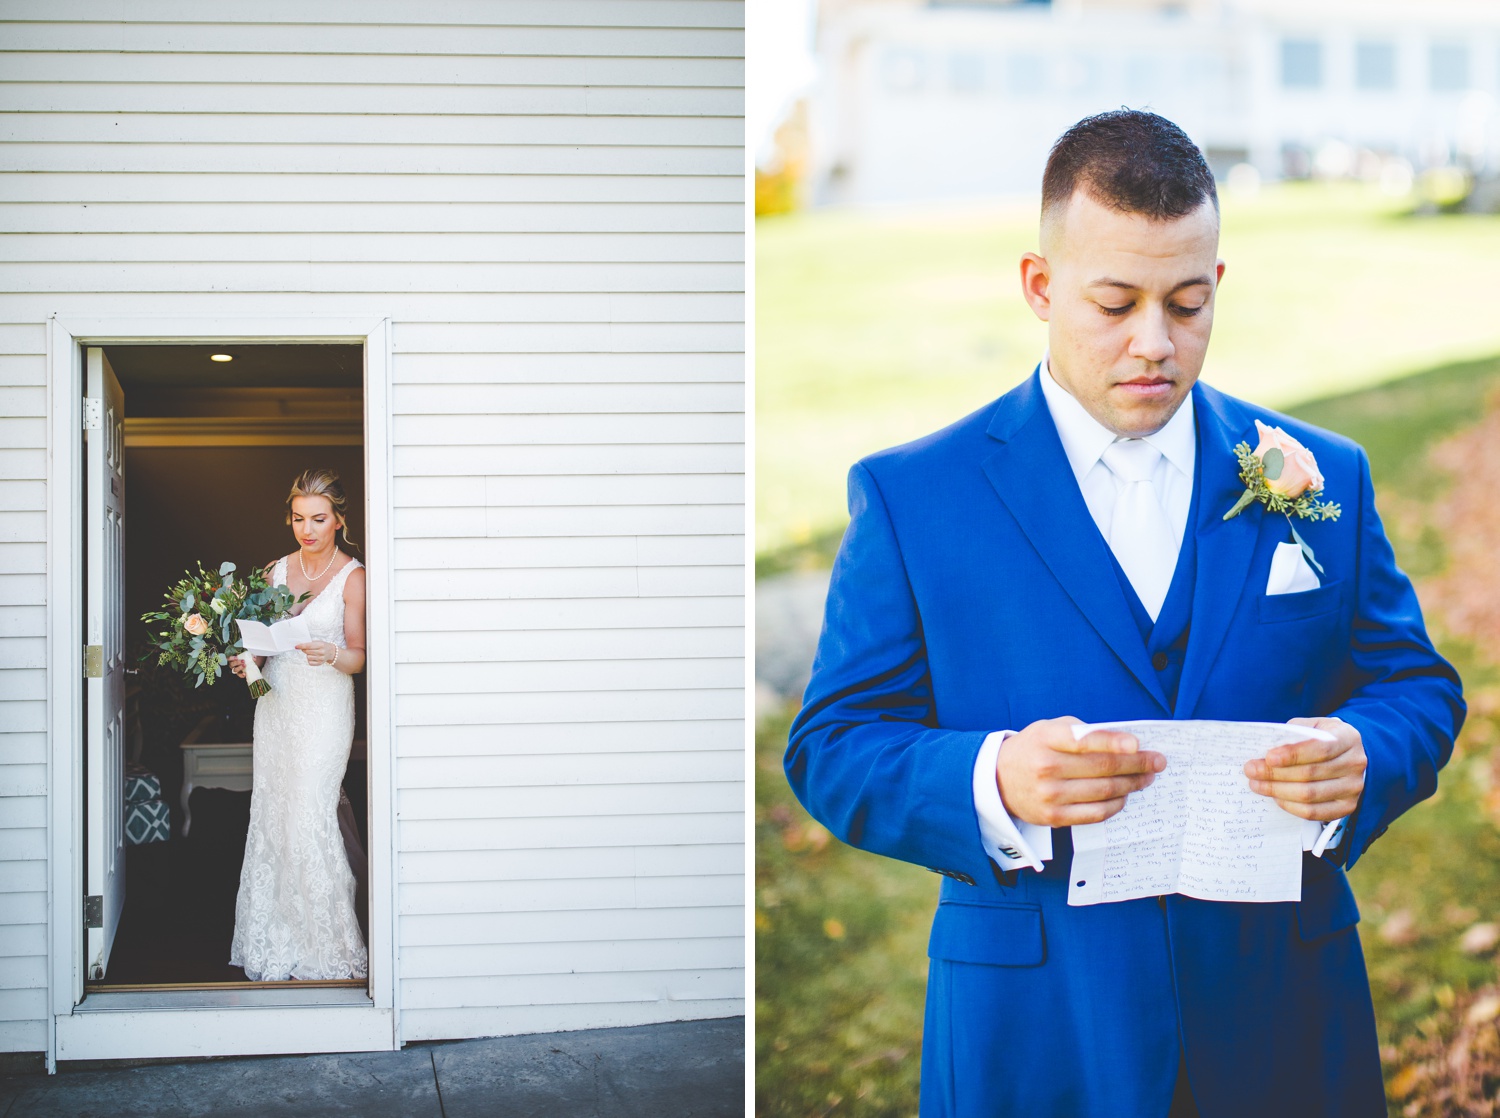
pixel 1198 829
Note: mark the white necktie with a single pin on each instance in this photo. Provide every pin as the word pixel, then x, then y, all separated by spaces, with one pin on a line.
pixel 1139 534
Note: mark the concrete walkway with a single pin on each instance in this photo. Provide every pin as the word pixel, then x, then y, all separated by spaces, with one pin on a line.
pixel 693 1069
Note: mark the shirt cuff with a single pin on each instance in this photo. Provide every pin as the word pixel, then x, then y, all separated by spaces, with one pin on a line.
pixel 1011 843
pixel 1320 837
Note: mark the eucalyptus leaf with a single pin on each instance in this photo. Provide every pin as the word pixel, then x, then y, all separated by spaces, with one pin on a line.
pixel 187 603
pixel 225 567
pixel 1273 463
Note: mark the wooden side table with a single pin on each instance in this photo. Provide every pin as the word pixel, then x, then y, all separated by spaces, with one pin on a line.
pixel 211 764
pixel 218 764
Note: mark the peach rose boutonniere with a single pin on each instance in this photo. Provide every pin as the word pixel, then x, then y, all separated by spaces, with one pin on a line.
pixel 1283 475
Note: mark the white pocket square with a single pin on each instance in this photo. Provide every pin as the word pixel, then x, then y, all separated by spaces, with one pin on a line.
pixel 1290 573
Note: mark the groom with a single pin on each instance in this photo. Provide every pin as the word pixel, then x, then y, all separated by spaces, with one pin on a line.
pixel 1062 554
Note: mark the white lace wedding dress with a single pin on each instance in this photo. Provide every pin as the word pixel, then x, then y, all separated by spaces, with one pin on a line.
pixel 295 914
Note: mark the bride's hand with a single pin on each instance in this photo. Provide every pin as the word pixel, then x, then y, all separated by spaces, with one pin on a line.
pixel 237 666
pixel 318 652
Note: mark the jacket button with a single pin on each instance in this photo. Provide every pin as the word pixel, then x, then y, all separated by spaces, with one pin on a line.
pixel 1159 661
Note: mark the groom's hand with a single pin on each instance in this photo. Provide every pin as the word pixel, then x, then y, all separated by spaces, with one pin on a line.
pixel 1319 780
pixel 1047 778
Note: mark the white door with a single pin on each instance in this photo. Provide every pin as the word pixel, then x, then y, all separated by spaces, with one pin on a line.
pixel 104 658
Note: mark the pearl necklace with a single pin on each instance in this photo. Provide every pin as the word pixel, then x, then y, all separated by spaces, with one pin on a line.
pixel 311 578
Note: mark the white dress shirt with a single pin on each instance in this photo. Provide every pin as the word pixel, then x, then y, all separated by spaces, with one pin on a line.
pixel 1014 843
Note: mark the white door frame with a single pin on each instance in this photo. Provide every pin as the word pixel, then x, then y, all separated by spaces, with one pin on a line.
pixel 101 1031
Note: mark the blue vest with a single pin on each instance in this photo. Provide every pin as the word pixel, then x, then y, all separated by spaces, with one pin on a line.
pixel 1165 639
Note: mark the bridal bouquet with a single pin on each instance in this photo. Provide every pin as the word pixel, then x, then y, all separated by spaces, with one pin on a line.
pixel 196 633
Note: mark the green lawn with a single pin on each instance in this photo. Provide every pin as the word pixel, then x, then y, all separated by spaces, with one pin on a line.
pixel 875 327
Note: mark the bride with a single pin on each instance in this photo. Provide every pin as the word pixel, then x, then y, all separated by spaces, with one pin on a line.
pixel 295 915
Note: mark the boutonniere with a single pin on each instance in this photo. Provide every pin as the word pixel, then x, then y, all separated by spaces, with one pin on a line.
pixel 1283 475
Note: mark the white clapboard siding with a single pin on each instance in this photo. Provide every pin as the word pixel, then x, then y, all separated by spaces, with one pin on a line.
pixel 546 201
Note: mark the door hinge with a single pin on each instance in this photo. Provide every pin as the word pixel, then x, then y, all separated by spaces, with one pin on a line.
pixel 93 911
pixel 93 413
pixel 93 661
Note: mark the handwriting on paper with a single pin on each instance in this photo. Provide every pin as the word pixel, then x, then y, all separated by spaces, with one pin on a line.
pixel 1198 829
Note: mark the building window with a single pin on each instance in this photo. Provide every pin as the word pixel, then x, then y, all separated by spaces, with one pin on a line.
pixel 1375 65
pixel 1448 67
pixel 1301 64
pixel 966 73
pixel 903 71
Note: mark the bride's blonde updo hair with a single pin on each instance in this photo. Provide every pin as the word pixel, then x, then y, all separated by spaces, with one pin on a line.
pixel 323 483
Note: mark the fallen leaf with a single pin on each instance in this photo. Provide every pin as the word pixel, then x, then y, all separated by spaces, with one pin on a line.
pixel 833 929
pixel 1479 938
pixel 1400 928
pixel 1485 1009
pixel 1404 1081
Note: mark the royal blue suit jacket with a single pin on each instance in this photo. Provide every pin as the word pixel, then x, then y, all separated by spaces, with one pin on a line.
pixel 973 592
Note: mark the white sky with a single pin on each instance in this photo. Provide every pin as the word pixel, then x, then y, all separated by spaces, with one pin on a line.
pixel 779 45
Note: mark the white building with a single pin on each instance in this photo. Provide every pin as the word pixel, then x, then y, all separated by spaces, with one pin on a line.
pixel 503 241
pixel 925 101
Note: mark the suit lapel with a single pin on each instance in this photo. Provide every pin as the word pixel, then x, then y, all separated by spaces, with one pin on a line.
pixel 1226 548
pixel 1031 474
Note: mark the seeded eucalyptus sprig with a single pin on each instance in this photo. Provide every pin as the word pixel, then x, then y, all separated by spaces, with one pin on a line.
pixel 1256 474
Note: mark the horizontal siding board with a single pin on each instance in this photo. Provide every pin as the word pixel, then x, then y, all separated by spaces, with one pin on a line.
pixel 456 14
pixel 332 277
pixel 560 895
pixel 22 939
pixel 23 589
pixel 22 715
pixel 673 520
pixel 399 69
pixel 557 989
pixel 23 338
pixel 436 185
pixel 24 371
pixel 427 460
pixel 23 748
pixel 375 159
pixel 523 677
pixel 570 737
pixel 23 972
pixel 467 1021
pixel 579 925
pixel 571 801
pixel 418 220
pixel 614 861
pixel 23 558
pixel 19 434
pixel 25 903
pixel 490 368
pixel 23 1005
pixel 542 832
pixel 18 402
pixel 18 840
pixel 573 429
pixel 21 652
pixel 484 614
pixel 639 489
pixel 564 582
pixel 454 100
pixel 23 1036
pixel 444 248
pixel 574 399
pixel 22 780
pixel 333 40
pixel 202 127
pixel 686 582
pixel 598 706
pixel 570 958
pixel 539 646
pixel 571 769
pixel 23 464
pixel 22 621
pixel 500 552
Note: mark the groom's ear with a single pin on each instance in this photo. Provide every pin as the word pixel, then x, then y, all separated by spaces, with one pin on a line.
pixel 1036 284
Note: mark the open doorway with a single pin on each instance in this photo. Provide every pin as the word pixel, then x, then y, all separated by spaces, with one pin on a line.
pixel 210 449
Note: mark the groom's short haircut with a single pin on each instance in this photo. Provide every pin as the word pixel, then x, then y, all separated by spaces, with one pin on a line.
pixel 1130 161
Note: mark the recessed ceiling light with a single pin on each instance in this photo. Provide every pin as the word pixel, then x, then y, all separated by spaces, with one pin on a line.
pixel 220 357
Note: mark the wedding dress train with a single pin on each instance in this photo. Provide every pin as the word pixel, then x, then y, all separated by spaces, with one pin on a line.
pixel 294 917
